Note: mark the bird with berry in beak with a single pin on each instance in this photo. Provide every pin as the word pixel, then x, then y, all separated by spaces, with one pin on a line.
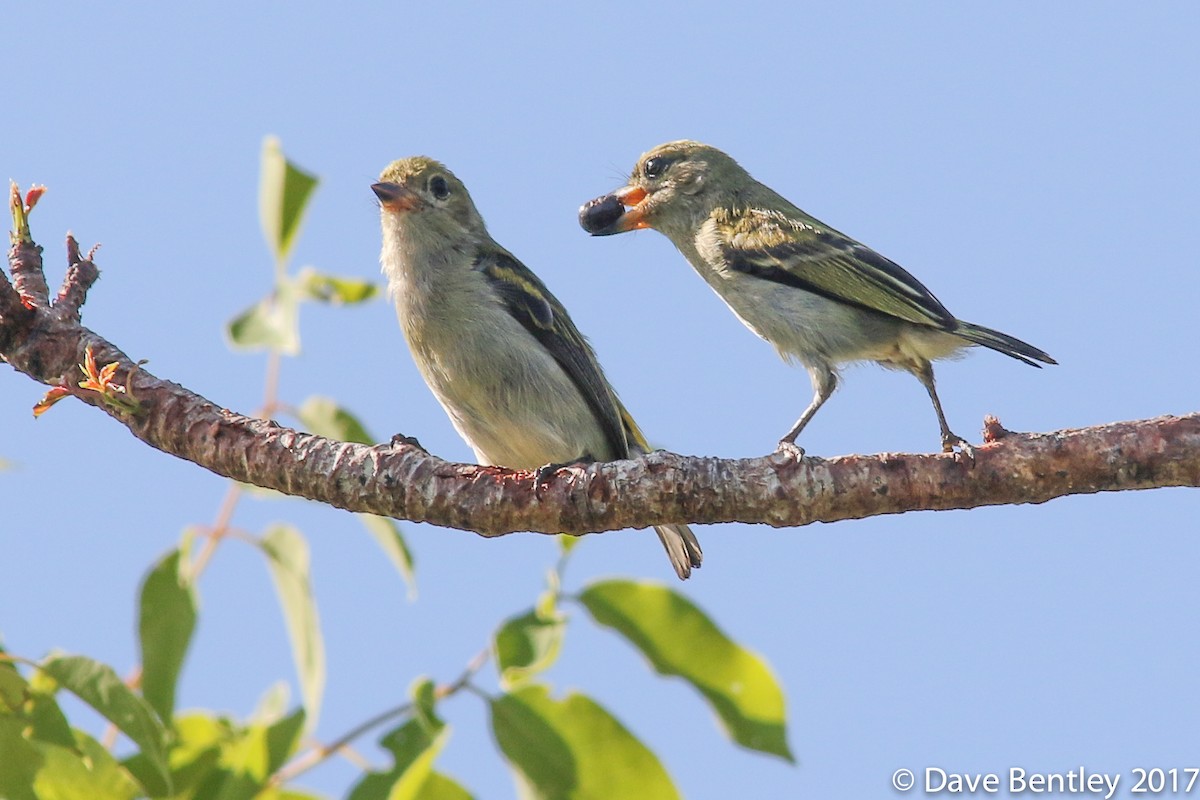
pixel 820 297
pixel 519 382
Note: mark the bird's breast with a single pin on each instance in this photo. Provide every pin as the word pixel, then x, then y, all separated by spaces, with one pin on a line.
pixel 505 394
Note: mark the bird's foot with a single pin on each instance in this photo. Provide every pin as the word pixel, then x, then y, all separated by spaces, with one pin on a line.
pixel 965 453
pixel 543 474
pixel 400 440
pixel 790 449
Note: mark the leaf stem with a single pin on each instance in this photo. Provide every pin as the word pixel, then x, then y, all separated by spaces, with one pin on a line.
pixel 219 529
pixel 319 753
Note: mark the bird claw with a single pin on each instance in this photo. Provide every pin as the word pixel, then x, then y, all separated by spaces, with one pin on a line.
pixel 543 474
pixel 791 449
pixel 965 452
pixel 400 440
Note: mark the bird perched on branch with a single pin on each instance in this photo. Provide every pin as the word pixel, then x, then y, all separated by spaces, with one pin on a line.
pixel 520 383
pixel 817 295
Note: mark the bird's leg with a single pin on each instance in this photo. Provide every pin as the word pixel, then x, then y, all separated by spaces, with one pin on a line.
pixel 824 381
pixel 950 439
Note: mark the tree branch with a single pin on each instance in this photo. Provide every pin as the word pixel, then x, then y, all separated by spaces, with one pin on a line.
pixel 46 341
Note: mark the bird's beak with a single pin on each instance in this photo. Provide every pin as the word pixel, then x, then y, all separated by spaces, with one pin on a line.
pixel 618 212
pixel 395 197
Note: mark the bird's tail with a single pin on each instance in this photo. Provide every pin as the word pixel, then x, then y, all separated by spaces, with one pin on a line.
pixel 1003 343
pixel 682 548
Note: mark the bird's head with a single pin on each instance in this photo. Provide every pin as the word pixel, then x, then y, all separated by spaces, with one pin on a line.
pixel 673 188
pixel 420 197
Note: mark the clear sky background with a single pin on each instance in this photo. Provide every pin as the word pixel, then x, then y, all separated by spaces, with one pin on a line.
pixel 1036 165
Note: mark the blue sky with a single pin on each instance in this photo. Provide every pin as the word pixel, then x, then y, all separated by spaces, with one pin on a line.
pixel 1035 165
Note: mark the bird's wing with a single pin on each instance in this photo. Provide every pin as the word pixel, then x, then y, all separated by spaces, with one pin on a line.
pixel 530 303
pixel 633 434
pixel 799 251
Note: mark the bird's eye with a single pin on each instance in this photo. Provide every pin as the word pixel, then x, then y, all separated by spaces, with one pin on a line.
pixel 655 166
pixel 438 187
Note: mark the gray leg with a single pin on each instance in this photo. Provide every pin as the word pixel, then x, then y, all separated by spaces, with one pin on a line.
pixel 950 440
pixel 824 381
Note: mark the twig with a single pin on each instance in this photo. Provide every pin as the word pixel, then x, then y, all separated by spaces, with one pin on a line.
pixel 320 753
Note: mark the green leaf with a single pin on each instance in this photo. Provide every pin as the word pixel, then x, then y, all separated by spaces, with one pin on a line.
pixel 187 542
pixel 679 639
pixel 288 559
pixel 194 754
pixel 42 682
pixel 196 751
pixel 97 685
pixel 442 787
pixel 12 688
pixel 273 703
pixel 268 747
pixel 248 758
pixel 324 417
pixel 573 748
pixel 567 542
pixel 414 746
pixel 46 720
pixel 526 645
pixel 547 602
pixel 283 193
pixel 85 772
pixel 387 534
pixel 541 755
pixel 424 697
pixel 272 323
pixel 167 620
pixel 35 706
pixel 410 784
pixel 334 288
pixel 280 793
pixel 20 761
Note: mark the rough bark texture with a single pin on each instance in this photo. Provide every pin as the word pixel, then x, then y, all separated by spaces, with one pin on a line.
pixel 45 341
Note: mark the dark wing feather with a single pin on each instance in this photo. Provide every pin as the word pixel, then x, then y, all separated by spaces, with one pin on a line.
pixel 805 254
pixel 530 303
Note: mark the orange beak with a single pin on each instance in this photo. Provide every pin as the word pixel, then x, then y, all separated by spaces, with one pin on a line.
pixel 608 214
pixel 395 197
pixel 631 197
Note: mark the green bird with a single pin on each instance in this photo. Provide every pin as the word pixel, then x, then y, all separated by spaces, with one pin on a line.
pixel 519 382
pixel 820 297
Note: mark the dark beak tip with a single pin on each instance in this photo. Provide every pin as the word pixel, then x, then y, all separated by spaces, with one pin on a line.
pixel 384 191
pixel 598 216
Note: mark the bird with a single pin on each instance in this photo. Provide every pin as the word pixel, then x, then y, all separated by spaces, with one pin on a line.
pixel 820 297
pixel 520 383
